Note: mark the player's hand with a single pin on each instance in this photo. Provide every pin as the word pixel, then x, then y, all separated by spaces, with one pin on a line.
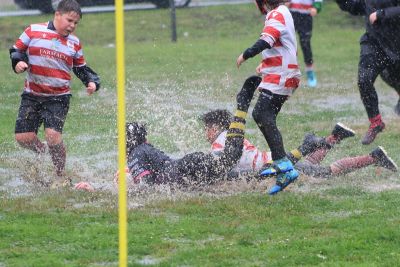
pixel 91 88
pixel 372 18
pixel 21 67
pixel 313 12
pixel 85 186
pixel 258 69
pixel 240 60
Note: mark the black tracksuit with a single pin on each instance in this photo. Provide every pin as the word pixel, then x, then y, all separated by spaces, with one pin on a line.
pixel 380 47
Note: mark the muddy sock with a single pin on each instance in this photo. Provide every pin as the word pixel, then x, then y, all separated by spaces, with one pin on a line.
pixel 375 121
pixel 347 165
pixel 58 156
pixel 294 156
pixel 36 146
pixel 332 140
pixel 317 156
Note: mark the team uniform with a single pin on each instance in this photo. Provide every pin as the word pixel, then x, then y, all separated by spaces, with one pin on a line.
pixel 252 159
pixel 379 54
pixel 280 71
pixel 51 58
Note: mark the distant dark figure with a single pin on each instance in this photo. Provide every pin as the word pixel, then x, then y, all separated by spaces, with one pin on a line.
pixel 380 55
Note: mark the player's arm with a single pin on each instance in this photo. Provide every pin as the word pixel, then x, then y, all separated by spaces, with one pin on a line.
pixel 388 13
pixel 17 56
pixel 354 7
pixel 87 75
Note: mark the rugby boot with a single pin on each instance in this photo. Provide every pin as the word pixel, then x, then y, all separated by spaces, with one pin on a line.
pixel 311 79
pixel 383 160
pixel 283 180
pixel 341 131
pixel 397 108
pixel 278 166
pixel 311 143
pixel 372 132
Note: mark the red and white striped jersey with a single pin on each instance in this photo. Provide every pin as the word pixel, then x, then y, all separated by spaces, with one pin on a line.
pixel 251 160
pixel 279 68
pixel 51 58
pixel 302 6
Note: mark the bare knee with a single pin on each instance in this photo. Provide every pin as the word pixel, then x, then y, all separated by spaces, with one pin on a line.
pixel 53 137
pixel 24 138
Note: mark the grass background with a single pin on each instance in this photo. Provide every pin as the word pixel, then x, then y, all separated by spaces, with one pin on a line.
pixel 350 220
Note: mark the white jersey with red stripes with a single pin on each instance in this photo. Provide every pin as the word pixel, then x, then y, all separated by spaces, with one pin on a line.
pixel 251 160
pixel 51 58
pixel 280 70
pixel 302 6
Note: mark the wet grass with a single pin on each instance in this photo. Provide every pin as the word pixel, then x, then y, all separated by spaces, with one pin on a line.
pixel 332 222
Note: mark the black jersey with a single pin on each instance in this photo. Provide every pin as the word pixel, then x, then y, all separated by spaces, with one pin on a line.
pixel 385 32
pixel 147 162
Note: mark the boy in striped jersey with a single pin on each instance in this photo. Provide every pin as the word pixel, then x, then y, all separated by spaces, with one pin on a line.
pixel 48 52
pixel 303 12
pixel 280 78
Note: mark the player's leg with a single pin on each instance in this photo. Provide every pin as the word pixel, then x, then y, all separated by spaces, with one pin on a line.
pixel 264 113
pixel 27 125
pixel 339 132
pixel 54 115
pixel 372 62
pixel 378 157
pixel 304 28
pixel 391 76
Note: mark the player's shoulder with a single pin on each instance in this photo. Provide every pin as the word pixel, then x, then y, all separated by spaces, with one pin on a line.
pixel 279 14
pixel 39 26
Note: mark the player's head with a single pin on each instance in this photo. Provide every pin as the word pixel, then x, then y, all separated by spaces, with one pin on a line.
pixel 67 16
pixel 216 121
pixel 135 134
pixel 265 5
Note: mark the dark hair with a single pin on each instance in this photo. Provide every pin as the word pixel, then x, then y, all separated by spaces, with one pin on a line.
pixel 219 117
pixel 135 134
pixel 66 6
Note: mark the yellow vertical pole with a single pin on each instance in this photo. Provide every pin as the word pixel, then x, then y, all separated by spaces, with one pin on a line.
pixel 122 195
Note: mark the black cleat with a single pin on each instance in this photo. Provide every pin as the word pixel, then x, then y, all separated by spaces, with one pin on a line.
pixel 371 134
pixel 341 131
pixel 311 143
pixel 383 160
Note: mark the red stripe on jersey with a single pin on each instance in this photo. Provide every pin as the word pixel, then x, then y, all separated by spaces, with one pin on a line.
pixel 293 66
pixel 275 15
pixel 20 45
pixel 255 161
pixel 300 6
pixel 49 72
pixel 216 146
pixel 137 179
pixel 45 89
pixel 272 78
pixel 265 157
pixel 292 83
pixel 44 52
pixel 79 61
pixel 272 31
pixel 277 43
pixel 272 62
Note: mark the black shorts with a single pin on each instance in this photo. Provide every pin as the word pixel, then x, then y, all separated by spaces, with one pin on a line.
pixel 35 110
